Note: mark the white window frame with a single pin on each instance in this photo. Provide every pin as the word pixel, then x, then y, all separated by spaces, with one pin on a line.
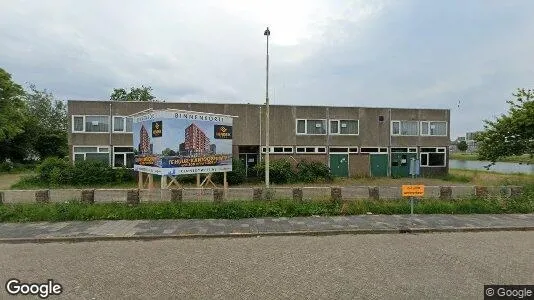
pixel 386 152
pixel 409 149
pixel 271 150
pixel 325 121
pixel 339 126
pixel 400 128
pixel 123 125
pixel 428 124
pixel 110 125
pixel 316 149
pixel 344 152
pixel 121 152
pixel 98 150
pixel 436 150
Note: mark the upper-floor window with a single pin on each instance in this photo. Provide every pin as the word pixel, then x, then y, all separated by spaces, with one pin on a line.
pixel 122 124
pixel 436 128
pixel 409 128
pixel 344 127
pixel 90 124
pixel 311 126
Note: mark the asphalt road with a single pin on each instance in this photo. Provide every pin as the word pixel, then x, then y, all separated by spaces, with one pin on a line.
pixel 397 266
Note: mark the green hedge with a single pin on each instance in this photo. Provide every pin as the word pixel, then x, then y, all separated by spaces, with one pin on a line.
pixel 281 171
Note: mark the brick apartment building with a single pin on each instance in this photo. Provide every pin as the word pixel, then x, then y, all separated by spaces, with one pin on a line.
pixel 353 141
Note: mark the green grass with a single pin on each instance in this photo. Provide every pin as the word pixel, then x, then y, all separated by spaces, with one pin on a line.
pixel 75 211
pixel 32 182
pixel 525 158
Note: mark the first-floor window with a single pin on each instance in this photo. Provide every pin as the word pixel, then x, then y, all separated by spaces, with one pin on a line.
pixel 433 157
pixel 91 153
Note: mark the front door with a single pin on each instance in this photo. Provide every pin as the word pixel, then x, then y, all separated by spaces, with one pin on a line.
pixel 249 160
pixel 339 165
pixel 379 165
pixel 400 164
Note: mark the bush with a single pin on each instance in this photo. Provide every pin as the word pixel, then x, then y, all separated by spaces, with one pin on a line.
pixel 313 171
pixel 6 166
pixel 52 168
pixel 190 178
pixel 237 176
pixel 280 171
pixel 89 172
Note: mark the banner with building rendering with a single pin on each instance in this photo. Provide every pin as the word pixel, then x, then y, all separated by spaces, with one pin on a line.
pixel 175 142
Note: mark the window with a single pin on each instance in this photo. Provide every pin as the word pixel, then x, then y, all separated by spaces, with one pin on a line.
pixel 353 150
pixel 435 128
pixel 373 150
pixel 122 124
pixel 311 126
pixel 90 124
pixel 344 127
pixel 278 150
pixel 339 149
pixel 81 153
pixel 310 149
pixel 403 150
pixel 405 128
pixel 123 157
pixel 433 157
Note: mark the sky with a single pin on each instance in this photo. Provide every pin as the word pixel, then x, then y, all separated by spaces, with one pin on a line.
pixel 378 53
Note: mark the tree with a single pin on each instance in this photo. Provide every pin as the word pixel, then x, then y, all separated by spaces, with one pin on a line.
pixel 143 93
pixel 168 152
pixel 12 108
pixel 462 146
pixel 511 133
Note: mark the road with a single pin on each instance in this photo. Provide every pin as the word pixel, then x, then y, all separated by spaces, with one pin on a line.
pixel 383 266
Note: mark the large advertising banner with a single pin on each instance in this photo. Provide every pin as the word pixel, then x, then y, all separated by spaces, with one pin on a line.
pixel 177 142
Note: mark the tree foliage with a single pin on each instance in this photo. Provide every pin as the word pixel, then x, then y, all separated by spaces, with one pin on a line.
pixel 462 146
pixel 143 93
pixel 12 107
pixel 511 133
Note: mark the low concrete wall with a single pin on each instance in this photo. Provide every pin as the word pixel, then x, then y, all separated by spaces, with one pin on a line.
pixel 348 193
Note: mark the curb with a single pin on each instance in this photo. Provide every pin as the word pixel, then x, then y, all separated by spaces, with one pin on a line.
pixel 79 239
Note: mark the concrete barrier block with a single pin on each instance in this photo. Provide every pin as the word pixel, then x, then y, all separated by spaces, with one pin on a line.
pixel 1 197
pixel 445 193
pixel 198 194
pixel 42 196
pixel 238 194
pixel 516 191
pixel 316 193
pixel 297 194
pixel 218 195
pixel 497 192
pixel 257 194
pixel 19 196
pixel 432 192
pixel 110 195
pixel 176 195
pixel 459 192
pixel 165 195
pixel 132 197
pixel 335 194
pixel 88 196
pixel 374 193
pixel 64 195
pixel 351 193
pixel 390 192
pixel 150 195
pixel 282 193
pixel 481 191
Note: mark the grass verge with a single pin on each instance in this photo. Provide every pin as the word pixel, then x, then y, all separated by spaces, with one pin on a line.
pixel 32 212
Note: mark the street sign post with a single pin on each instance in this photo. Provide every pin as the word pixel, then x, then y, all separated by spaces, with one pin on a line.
pixel 413 191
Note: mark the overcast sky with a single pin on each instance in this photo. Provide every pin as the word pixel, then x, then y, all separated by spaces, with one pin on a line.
pixel 399 53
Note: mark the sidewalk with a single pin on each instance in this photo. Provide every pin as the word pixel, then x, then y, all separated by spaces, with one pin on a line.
pixel 158 229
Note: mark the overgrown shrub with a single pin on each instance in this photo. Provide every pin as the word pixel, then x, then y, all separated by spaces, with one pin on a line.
pixel 6 166
pixel 237 176
pixel 189 178
pixel 313 171
pixel 280 171
pixel 89 172
pixel 52 167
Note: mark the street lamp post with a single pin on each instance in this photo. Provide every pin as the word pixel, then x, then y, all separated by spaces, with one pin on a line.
pixel 267 33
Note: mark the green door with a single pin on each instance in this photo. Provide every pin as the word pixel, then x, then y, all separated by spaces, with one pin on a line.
pixel 379 165
pixel 400 164
pixel 339 165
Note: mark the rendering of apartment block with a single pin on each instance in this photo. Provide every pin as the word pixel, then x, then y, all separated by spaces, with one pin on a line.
pixel 353 141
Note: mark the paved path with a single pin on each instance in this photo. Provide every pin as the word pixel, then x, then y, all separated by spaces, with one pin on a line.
pixel 155 229
pixel 368 266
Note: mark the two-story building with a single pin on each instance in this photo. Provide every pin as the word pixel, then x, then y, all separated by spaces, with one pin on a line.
pixel 353 141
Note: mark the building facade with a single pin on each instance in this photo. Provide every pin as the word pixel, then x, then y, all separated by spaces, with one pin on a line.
pixel 353 141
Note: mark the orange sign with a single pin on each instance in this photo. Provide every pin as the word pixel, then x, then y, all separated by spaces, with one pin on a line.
pixel 413 190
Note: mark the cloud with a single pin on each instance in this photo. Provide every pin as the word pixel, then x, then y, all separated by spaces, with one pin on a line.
pixel 410 53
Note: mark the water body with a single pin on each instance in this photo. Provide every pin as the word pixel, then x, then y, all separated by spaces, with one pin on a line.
pixel 502 167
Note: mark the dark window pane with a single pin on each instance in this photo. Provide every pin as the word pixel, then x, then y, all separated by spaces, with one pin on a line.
pixel 310 149
pixel 339 149
pixel 98 156
pixel 288 149
pixel 428 149
pixel 436 159
pixel 119 160
pixel 322 149
pixel 424 159
pixel 353 149
pixel 278 149
pixel 368 150
pixel 130 160
pixel 123 149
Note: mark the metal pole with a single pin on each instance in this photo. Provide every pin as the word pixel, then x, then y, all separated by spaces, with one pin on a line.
pixel 267 33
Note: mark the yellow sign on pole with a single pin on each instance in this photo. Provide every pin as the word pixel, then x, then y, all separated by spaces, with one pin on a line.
pixel 413 190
